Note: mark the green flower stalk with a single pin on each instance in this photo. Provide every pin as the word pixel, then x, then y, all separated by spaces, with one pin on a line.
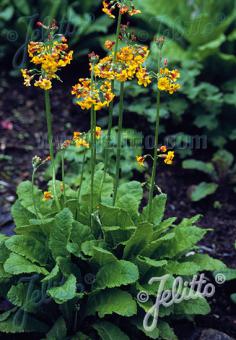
pixel 63 176
pixel 51 149
pixel 119 141
pixel 110 116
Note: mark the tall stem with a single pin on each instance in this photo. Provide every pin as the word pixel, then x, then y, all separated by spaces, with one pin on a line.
pixel 154 167
pixel 50 142
pixel 33 196
pixel 108 140
pixel 63 175
pixel 80 184
pixel 118 152
pixel 92 159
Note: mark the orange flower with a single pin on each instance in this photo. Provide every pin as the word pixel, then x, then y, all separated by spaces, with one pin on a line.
pixel 109 44
pixel 163 148
pixel 47 195
pixel 98 132
pixel 140 160
pixel 76 134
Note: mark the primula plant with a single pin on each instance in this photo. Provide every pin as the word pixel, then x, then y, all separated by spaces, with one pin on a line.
pixel 82 254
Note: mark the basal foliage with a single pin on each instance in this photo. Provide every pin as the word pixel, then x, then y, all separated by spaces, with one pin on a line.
pixel 88 278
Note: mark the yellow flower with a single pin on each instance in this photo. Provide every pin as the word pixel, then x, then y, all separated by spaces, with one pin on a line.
pixel 140 160
pixel 134 12
pixel 49 56
pixel 143 77
pixel 173 88
pixel 167 80
pixel 163 84
pixel 175 74
pixel 44 84
pixel 27 77
pixel 169 157
pixel 47 195
pixel 99 96
pixel 106 10
pixel 76 134
pixel 98 132
pixel 81 142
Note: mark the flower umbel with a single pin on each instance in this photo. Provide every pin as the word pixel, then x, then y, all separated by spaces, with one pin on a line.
pixel 167 80
pixel 49 56
pixel 99 95
pixel 124 6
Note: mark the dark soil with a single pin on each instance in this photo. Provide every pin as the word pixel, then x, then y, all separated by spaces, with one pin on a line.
pixel 24 109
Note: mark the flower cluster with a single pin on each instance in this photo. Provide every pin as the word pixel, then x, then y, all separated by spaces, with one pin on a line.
pixel 38 161
pixel 93 94
pixel 168 157
pixel 128 64
pixel 167 80
pixel 124 6
pixel 50 56
pixel 78 140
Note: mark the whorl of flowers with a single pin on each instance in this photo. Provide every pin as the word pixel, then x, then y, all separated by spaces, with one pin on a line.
pixel 49 56
pixel 128 64
pixel 124 6
pixel 97 94
pixel 167 80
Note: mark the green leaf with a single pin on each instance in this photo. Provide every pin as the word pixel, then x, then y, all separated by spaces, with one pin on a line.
pixel 108 331
pixel 65 292
pixel 203 190
pixel 4 253
pixel 80 233
pixel 111 301
pixel 102 256
pixel 113 216
pixel 198 306
pixel 139 240
pixel 60 233
pixel 52 275
pixel 182 240
pixel 7 13
pixel 206 263
pixel 182 268
pixel 26 325
pixel 115 236
pixel 22 6
pixel 145 263
pixel 157 211
pixel 166 332
pixel 129 196
pixel 199 165
pixel 116 274
pixel 150 334
pixel 28 247
pixel 21 296
pixel 229 273
pixel 17 264
pixel 233 297
pixel 163 226
pixel 58 330
pixel 88 246
pixel 21 215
